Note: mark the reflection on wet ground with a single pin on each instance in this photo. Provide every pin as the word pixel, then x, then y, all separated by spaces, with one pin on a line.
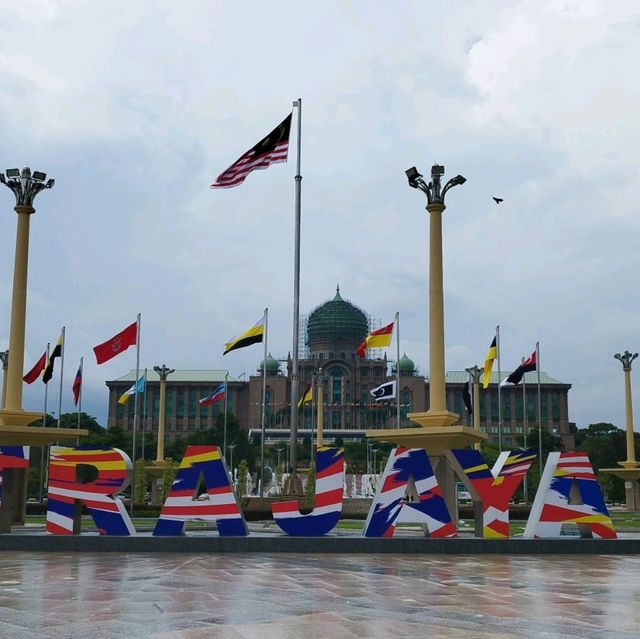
pixel 303 596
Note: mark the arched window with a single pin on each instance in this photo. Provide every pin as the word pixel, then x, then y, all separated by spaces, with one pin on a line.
pixel 406 403
pixel 267 400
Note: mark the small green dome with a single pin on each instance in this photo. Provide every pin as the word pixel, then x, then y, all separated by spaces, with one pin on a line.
pixel 336 322
pixel 273 365
pixel 406 365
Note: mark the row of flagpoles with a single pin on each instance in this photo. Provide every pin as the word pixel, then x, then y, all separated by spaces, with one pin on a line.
pixel 527 365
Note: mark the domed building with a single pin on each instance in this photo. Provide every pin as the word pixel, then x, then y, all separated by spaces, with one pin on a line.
pixel 332 333
pixel 330 337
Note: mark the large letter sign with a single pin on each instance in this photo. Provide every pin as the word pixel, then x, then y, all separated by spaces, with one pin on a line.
pixel 218 504
pixel 389 506
pixel 328 500
pixel 66 494
pixel 12 457
pixel 493 487
pixel 569 493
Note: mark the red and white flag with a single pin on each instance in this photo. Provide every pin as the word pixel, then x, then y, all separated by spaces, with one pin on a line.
pixel 117 344
pixel 270 150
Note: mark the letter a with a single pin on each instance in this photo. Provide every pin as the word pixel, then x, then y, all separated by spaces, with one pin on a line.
pixel 219 504
pixel 389 508
pixel 66 494
pixel 569 493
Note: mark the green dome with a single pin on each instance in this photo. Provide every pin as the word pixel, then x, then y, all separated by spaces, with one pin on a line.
pixel 336 322
pixel 406 365
pixel 273 365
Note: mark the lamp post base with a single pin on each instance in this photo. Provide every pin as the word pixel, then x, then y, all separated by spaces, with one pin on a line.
pixel 435 439
pixel 157 471
pixel 630 473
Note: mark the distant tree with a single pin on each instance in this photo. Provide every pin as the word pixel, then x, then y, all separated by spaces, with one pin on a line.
pixel 310 488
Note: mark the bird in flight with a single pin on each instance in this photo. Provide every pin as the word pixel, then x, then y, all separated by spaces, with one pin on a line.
pixel 498 200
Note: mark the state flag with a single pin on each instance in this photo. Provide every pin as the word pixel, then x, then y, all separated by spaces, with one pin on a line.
pixel 384 391
pixel 466 397
pixel 252 335
pixel 56 352
pixel 138 387
pixel 117 344
pixel 492 355
pixel 35 372
pixel 380 338
pixel 212 397
pixel 77 386
pixel 306 397
pixel 528 365
pixel 272 149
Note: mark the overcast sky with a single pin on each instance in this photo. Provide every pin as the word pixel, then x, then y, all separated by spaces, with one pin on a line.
pixel 135 108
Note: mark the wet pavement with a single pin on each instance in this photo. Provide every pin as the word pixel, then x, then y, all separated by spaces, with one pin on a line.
pixel 169 596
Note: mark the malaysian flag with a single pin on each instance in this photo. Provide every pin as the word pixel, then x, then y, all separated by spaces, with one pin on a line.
pixel 270 150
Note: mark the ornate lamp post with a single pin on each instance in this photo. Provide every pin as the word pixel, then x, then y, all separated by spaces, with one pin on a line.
pixel 435 205
pixel 626 359
pixel 630 470
pixel 475 373
pixel 25 187
pixel 438 431
pixel 160 465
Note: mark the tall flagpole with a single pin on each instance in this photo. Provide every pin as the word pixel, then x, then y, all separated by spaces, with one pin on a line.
pixel 293 448
pixel 64 339
pixel 539 407
pixel 224 444
pixel 44 449
pixel 397 370
pixel 525 429
pixel 144 412
pixel 313 405
pixel 264 401
pixel 135 414
pixel 499 387
pixel 80 398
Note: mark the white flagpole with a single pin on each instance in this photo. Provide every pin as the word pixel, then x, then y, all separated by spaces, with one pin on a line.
pixel 61 376
pixel 44 449
pixel 313 405
pixel 224 443
pixel 293 451
pixel 397 370
pixel 80 399
pixel 539 407
pixel 499 387
pixel 144 412
pixel 264 408
pixel 525 428
pixel 135 414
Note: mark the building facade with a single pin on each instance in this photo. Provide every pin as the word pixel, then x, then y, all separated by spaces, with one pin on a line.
pixel 333 333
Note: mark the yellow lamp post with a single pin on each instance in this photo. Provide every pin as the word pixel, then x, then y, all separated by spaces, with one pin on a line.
pixel 159 466
pixel 4 358
pixel 14 420
pixel 630 470
pixel 437 429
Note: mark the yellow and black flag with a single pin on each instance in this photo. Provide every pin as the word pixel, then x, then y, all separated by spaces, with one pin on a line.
pixel 306 397
pixel 492 354
pixel 253 335
pixel 56 352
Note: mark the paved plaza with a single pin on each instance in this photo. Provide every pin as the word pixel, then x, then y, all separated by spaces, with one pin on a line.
pixel 169 596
